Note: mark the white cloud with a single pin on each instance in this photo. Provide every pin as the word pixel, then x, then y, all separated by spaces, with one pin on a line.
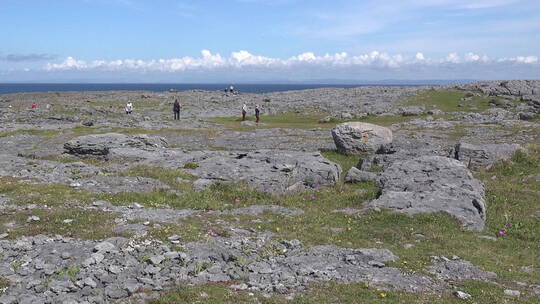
pixel 244 59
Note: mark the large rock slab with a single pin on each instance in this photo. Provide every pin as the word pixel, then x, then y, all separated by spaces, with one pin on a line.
pixel 101 144
pixel 271 171
pixel 265 170
pixel 430 184
pixel 359 137
pixel 485 154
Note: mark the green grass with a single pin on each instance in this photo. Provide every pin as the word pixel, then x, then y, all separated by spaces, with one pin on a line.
pixel 333 293
pixel 22 193
pixel 4 284
pixel 85 225
pixel 284 120
pixel 345 161
pixel 449 101
pixel 512 206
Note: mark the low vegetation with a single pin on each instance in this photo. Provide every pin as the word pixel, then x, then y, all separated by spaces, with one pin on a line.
pixel 451 101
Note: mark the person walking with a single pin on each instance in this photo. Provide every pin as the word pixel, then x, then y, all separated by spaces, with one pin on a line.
pixel 129 107
pixel 257 114
pixel 176 109
pixel 244 111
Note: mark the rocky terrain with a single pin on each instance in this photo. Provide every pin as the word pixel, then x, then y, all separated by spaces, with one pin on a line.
pixel 399 194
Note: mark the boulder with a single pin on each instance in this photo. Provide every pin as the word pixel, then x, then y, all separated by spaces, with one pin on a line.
pixel 356 175
pixel 411 111
pixel 485 154
pixel 270 171
pixel 430 184
pixel 100 144
pixel 527 115
pixel 359 137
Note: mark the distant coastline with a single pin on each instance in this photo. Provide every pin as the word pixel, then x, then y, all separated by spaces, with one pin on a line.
pixel 9 88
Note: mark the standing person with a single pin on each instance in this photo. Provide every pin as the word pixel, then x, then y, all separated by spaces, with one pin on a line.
pixel 176 109
pixel 244 112
pixel 257 113
pixel 129 107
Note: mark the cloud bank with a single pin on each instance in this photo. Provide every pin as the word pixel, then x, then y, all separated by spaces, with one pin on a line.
pixel 244 59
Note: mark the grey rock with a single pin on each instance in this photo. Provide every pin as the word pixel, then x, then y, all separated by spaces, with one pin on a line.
pixel 357 138
pixel 458 270
pixel 33 218
pixel 89 282
pixel 411 111
pixel 203 183
pixel 485 154
pixel 356 175
pixel 527 115
pixel 462 295
pixel 512 293
pixel 104 247
pixel 157 259
pixel 101 144
pixel 430 184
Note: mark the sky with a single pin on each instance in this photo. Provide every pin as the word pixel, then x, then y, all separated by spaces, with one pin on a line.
pixel 208 41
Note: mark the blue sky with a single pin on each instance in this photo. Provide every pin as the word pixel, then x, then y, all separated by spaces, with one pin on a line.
pixel 268 40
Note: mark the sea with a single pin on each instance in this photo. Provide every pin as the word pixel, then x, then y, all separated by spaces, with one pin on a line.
pixel 7 88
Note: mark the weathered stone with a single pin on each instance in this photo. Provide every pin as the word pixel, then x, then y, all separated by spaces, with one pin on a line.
pixel 512 293
pixel 101 144
pixel 485 154
pixel 358 137
pixel 458 270
pixel 411 111
pixel 430 184
pixel 356 175
pixel 462 295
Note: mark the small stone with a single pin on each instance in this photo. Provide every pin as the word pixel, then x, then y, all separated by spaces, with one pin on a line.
pixel 33 218
pixel 98 257
pixel 512 293
pixel 462 295
pixel 135 206
pixel 527 269
pixel 104 247
pixel 174 237
pixel 146 223
pixel 376 264
pixel 66 255
pixel 157 259
pixel 75 185
pixel 90 282
pixel 172 255
pixel 68 221
pixel 242 286
pixel 115 269
pixel 408 246
pixel 132 286
pixel 3 235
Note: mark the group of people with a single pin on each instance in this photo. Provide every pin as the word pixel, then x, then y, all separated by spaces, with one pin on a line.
pixel 177 106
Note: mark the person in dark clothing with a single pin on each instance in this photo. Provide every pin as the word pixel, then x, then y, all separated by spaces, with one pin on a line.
pixel 257 114
pixel 176 109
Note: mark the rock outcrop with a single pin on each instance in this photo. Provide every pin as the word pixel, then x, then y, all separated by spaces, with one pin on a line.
pixel 101 144
pixel 359 137
pixel 485 154
pixel 430 184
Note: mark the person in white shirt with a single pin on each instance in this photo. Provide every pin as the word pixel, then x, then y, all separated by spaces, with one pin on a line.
pixel 244 112
pixel 129 107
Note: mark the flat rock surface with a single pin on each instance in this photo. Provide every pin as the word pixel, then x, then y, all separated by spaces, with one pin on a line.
pixel 431 184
